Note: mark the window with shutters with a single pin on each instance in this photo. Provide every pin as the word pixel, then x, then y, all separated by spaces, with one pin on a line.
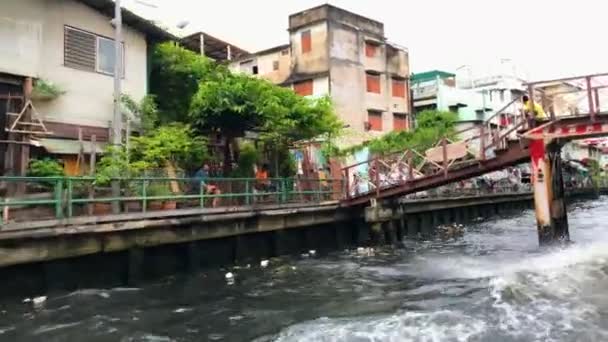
pixel 373 83
pixel 306 41
pixel 398 88
pixel 87 51
pixel 275 65
pixel 374 119
pixel 79 49
pixel 303 88
pixel 399 122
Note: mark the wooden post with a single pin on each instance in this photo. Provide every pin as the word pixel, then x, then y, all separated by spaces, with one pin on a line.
pixel 92 162
pixel 347 182
pixel 93 155
pixel 80 158
pixel 25 148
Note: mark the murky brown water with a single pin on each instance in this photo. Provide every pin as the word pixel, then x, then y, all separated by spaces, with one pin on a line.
pixel 493 284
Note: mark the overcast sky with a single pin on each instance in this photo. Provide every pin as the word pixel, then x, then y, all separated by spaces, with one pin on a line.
pixel 543 38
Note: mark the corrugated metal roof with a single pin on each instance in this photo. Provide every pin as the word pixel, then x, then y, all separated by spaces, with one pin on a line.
pixel 129 18
pixel 66 146
pixel 430 75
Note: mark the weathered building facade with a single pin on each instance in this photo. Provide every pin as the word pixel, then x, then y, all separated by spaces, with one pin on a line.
pixel 335 52
pixel 69 44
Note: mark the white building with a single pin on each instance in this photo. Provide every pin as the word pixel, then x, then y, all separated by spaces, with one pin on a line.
pixel 70 44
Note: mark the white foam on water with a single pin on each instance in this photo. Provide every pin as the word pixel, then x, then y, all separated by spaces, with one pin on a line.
pixel 48 328
pixel 406 326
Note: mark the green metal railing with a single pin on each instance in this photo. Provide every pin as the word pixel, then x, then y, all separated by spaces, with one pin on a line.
pixel 78 196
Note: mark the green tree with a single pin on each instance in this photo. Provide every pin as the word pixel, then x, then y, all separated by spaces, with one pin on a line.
pixel 233 103
pixel 431 127
pixel 175 76
pixel 174 145
pixel 144 111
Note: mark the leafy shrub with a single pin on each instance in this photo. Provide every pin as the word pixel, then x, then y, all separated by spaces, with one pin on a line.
pixel 46 167
pixel 46 90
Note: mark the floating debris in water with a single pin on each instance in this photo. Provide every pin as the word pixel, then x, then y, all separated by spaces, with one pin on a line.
pixel 450 231
pixel 229 278
pixel 27 300
pixel 305 255
pixel 312 252
pixel 39 300
pixel 264 263
pixel 366 251
pixel 293 268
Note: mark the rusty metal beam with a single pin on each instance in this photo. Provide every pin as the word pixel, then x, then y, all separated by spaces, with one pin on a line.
pixel 566 79
pixel 513 156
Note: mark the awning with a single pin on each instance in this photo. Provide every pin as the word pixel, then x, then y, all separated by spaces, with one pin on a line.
pixel 66 146
pixel 420 103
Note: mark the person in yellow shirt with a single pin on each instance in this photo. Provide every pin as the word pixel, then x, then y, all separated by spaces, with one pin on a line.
pixel 535 115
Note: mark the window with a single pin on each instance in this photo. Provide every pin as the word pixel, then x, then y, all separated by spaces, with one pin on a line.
pixel 275 65
pixel 398 88
pixel 371 49
pixel 399 122
pixel 284 52
pixel 502 95
pixel 106 56
pixel 374 119
pixel 303 88
pixel 373 83
pixel 254 70
pixel 306 41
pixel 87 51
pixel 79 49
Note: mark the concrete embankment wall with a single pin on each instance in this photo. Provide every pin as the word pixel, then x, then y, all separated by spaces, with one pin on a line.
pixel 125 250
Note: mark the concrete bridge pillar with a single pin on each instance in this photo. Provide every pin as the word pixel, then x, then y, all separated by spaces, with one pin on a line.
pixel 548 185
pixel 380 219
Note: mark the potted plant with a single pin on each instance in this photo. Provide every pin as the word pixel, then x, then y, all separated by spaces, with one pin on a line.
pixel 46 91
pixel 158 189
pixel 115 165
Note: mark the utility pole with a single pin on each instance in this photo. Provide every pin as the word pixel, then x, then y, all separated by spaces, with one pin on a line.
pixel 117 119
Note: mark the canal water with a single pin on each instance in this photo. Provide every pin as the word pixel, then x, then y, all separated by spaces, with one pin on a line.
pixel 492 284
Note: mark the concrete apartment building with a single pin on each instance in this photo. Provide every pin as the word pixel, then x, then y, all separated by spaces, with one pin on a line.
pixel 335 52
pixel 70 44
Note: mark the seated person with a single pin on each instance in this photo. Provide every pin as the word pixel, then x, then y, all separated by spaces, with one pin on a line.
pixel 201 176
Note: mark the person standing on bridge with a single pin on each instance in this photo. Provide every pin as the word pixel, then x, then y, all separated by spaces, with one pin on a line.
pixel 536 115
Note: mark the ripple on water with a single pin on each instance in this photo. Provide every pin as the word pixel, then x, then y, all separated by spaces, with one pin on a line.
pixel 493 284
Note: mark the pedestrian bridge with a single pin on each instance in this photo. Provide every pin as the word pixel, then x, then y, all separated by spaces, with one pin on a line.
pixel 505 139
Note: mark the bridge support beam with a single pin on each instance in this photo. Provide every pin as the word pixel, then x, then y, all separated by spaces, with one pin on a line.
pixel 548 185
pixel 381 221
